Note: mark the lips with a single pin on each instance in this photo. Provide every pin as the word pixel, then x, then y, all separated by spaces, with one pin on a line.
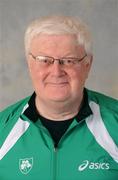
pixel 57 83
pixel 53 83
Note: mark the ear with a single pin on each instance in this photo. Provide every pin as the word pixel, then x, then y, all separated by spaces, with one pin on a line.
pixel 29 64
pixel 88 63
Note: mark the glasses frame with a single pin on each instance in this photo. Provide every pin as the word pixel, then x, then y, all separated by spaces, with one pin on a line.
pixel 60 60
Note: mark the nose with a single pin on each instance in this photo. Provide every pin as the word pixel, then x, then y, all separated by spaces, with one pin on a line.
pixel 57 69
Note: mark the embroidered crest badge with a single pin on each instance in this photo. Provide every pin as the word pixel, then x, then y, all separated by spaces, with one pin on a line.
pixel 25 165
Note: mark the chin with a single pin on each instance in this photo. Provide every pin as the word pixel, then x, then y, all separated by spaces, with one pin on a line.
pixel 58 98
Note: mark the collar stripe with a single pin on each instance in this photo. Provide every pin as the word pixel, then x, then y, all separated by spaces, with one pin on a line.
pixel 17 131
pixel 99 131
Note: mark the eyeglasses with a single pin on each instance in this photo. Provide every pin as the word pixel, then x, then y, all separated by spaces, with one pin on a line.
pixel 46 61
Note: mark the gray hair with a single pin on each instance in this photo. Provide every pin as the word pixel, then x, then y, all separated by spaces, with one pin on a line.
pixel 56 25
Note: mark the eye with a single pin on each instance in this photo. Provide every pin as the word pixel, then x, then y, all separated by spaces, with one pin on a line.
pixel 45 60
pixel 42 59
pixel 68 61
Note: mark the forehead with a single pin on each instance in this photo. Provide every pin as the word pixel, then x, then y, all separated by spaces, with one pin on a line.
pixel 45 42
pixel 50 37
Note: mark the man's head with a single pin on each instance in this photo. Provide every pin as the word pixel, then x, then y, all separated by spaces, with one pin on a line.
pixel 58 51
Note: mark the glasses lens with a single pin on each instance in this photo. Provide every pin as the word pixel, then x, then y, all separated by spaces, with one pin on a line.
pixel 44 60
pixel 68 61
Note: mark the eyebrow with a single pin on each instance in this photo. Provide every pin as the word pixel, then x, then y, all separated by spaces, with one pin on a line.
pixel 69 54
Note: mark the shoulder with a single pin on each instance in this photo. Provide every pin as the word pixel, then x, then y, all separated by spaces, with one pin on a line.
pixel 103 100
pixel 12 110
pixel 108 109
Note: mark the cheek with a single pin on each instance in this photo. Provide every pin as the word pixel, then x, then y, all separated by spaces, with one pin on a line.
pixel 78 78
pixel 36 74
pixel 78 75
pixel 84 70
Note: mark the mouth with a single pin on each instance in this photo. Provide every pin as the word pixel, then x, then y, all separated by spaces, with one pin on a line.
pixel 57 83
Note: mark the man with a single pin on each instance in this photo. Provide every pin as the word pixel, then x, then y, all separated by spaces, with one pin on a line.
pixel 63 131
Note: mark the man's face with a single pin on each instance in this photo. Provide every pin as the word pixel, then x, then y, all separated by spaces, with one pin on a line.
pixel 58 83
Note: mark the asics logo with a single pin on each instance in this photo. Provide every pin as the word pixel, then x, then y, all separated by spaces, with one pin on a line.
pixel 93 165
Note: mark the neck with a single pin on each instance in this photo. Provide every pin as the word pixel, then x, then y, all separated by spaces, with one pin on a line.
pixel 58 110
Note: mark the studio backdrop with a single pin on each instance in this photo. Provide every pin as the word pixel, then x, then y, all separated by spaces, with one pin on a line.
pixel 15 16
